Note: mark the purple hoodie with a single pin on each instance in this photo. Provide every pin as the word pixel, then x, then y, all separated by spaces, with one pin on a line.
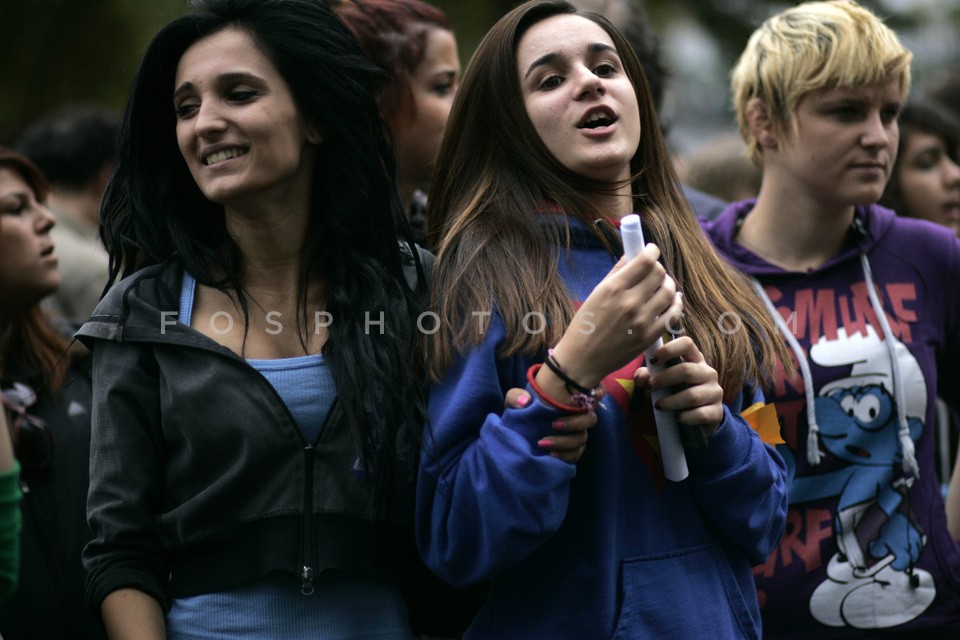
pixel 866 552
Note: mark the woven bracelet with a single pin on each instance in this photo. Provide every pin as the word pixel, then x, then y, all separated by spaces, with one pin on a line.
pixel 556 404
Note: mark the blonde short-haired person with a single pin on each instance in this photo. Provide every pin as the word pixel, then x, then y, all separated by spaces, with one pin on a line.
pixel 869 305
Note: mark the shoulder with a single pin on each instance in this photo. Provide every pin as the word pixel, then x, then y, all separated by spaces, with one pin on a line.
pixel 926 241
pixel 886 226
pixel 140 296
pixel 704 205
pixel 412 255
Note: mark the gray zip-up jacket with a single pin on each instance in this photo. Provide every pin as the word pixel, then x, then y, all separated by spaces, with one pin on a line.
pixel 199 477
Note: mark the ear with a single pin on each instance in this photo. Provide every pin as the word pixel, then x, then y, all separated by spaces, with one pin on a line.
pixel 761 124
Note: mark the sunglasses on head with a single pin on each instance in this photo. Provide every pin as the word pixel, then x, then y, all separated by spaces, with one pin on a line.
pixel 32 439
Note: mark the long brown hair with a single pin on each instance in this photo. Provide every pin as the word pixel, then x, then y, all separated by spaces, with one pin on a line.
pixel 34 346
pixel 492 252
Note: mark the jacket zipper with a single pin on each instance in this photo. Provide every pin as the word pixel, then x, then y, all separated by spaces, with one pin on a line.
pixel 306 570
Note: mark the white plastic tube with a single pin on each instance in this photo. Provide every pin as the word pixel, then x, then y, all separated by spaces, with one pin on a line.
pixel 668 430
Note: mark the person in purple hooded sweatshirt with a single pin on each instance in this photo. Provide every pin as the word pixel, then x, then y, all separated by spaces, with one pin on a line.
pixel 869 305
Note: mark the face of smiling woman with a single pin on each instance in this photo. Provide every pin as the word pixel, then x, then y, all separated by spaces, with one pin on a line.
pixel 238 127
pixel 579 97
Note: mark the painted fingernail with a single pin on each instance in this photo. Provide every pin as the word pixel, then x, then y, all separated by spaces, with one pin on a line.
pixel 557 424
pixel 523 401
pixel 654 360
pixel 545 443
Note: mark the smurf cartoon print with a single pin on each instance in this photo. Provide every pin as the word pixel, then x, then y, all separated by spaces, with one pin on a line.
pixel 872 582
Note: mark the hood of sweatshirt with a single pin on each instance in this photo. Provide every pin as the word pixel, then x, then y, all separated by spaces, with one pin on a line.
pixel 870 224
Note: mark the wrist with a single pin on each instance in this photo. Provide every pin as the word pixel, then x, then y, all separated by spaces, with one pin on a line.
pixel 575 365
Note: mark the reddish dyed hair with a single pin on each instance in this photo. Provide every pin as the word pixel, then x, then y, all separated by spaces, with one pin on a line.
pixel 34 345
pixel 394 34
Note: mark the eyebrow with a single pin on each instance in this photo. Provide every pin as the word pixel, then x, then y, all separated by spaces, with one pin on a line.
pixel 547 58
pixel 233 76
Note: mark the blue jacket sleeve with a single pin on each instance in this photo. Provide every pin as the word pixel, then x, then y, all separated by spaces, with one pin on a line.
pixel 487 495
pixel 739 483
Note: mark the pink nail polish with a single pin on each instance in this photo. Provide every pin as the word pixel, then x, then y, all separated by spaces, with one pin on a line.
pixel 523 401
pixel 544 443
pixel 557 424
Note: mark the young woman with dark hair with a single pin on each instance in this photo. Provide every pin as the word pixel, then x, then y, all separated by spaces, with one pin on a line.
pixel 925 181
pixel 45 393
pixel 526 229
pixel 255 416
pixel 414 43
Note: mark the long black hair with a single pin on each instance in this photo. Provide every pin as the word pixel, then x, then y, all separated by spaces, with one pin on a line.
pixel 154 210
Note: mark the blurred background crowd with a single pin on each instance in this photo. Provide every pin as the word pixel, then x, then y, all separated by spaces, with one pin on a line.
pixel 65 51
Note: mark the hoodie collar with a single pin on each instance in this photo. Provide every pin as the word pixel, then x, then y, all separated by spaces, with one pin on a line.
pixel 870 224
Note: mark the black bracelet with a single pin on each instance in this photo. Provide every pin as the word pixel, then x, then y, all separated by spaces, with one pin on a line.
pixel 554 366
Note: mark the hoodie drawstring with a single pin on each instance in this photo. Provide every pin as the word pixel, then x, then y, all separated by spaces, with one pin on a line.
pixel 814 455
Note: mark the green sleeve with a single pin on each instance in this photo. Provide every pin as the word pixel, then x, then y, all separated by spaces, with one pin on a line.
pixel 10 522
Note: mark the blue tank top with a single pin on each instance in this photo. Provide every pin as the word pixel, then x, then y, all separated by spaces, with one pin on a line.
pixel 342 606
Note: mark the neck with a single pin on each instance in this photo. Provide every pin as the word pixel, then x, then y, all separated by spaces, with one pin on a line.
pixel 795 233
pixel 273 244
pixel 616 204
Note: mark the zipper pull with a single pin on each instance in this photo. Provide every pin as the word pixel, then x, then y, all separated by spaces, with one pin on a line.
pixel 306 577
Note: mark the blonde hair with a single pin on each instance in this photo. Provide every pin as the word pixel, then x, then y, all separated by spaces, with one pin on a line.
pixel 815 45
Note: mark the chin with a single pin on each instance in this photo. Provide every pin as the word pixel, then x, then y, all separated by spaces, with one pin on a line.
pixel 49 288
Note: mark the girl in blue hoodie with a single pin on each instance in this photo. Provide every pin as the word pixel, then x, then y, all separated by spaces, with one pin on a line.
pixel 869 305
pixel 530 290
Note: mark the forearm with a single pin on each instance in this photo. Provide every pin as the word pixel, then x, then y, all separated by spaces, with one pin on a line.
pixel 132 614
pixel 6 445
pixel 740 486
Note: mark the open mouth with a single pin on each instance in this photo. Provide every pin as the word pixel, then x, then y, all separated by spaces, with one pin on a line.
pixel 597 119
pixel 858 451
pixel 225 154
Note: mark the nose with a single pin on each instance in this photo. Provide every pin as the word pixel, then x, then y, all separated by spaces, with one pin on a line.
pixel 878 133
pixel 588 83
pixel 44 220
pixel 208 120
pixel 952 173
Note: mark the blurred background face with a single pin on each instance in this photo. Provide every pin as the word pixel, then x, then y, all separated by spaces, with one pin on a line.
pixel 28 265
pixel 929 180
pixel 419 131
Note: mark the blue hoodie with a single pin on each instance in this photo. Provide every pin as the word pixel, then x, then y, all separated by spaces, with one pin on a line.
pixel 866 552
pixel 605 547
